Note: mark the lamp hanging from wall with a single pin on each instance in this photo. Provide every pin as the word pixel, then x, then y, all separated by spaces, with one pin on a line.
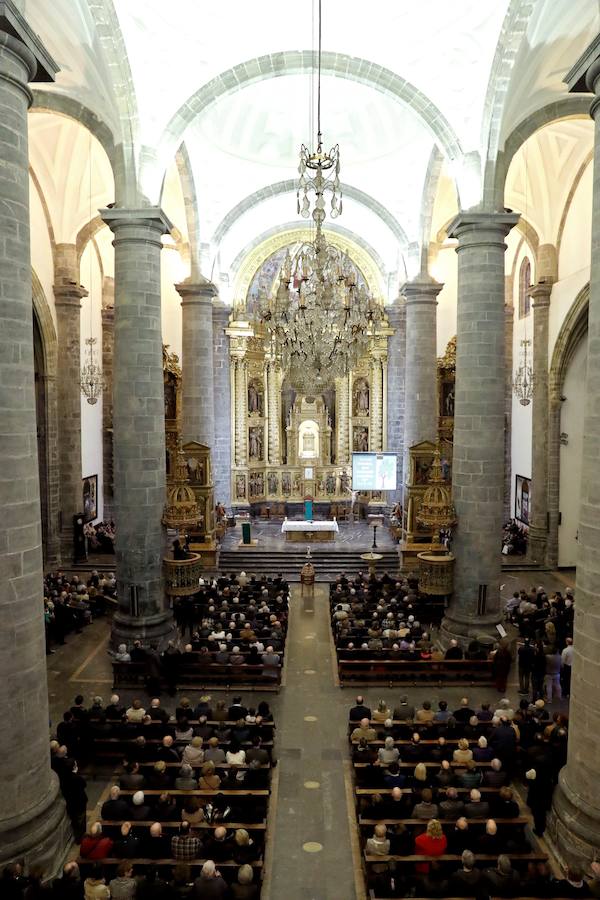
pixel 91 378
pixel 321 317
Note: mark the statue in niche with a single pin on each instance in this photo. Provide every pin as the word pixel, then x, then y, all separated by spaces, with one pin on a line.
pixel 361 439
pixel 297 485
pixel 254 399
pixel 272 482
pixel 345 482
pixel 330 483
pixel 170 398
pixel 240 487
pixel 256 484
pixel 286 483
pixel 361 397
pixel 255 443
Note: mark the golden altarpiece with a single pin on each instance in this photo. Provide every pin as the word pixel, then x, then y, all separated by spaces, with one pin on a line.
pixel 287 446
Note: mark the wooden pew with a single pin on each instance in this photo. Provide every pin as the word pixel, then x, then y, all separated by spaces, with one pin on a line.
pixel 397 671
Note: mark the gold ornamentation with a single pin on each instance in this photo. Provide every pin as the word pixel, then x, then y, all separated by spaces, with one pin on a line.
pixel 436 511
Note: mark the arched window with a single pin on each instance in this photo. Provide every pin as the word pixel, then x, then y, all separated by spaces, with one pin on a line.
pixel 524 283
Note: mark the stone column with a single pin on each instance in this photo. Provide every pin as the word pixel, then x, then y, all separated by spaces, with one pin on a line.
pixel 575 818
pixel 376 404
pixel 420 379
pixel 478 459
pixel 538 531
pixel 554 416
pixel 396 315
pixel 221 456
pixel 68 294
pixel 198 406
pixel 108 343
pixel 32 813
pixel 139 424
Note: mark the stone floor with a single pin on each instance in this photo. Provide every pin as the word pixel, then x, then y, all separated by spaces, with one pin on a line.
pixel 313 854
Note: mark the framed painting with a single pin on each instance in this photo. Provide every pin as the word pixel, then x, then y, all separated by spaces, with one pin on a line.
pixel 90 498
pixel 522 499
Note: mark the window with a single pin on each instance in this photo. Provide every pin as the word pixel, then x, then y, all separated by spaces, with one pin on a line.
pixel 524 283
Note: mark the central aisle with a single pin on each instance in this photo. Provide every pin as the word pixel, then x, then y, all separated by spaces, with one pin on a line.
pixel 311 752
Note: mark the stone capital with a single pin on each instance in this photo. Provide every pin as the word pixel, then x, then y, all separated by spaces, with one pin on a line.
pixel 16 35
pixel 480 228
pixel 422 289
pixel 69 294
pixel 146 224
pixel 583 77
pixel 540 294
pixel 200 291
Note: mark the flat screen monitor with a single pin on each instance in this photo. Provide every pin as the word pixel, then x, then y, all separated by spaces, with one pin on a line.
pixel 374 471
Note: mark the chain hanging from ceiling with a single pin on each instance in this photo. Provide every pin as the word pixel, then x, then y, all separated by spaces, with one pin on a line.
pixel 321 317
pixel 523 383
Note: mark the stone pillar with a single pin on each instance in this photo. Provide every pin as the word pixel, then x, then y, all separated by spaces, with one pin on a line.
pixel 221 455
pixel 478 459
pixel 32 813
pixel 396 315
pixel 108 343
pixel 68 294
pixel 554 429
pixel 342 406
pixel 376 404
pixel 538 531
pixel 420 379
pixel 139 424
pixel 198 406
pixel 575 818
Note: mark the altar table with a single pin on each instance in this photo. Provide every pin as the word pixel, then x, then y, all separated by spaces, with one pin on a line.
pixel 309 531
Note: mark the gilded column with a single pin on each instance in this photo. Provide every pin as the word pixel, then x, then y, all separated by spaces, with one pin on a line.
pixel 342 393
pixel 575 817
pixel 68 294
pixel 32 813
pixel 478 458
pixel 222 388
pixel 139 424
pixel 274 395
pixel 108 346
pixel 241 412
pixel 538 531
pixel 376 433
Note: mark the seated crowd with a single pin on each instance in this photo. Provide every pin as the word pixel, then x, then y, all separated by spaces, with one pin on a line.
pixel 71 603
pixel 190 798
pixel 99 537
pixel 436 783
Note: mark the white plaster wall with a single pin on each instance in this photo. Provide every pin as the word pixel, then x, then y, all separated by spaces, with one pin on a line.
pixel 41 248
pixel 571 422
pixel 172 271
pixel 444 270
pixel 91 416
pixel 521 431
pixel 576 246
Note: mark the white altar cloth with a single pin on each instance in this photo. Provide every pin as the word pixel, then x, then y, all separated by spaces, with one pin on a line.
pixel 309 526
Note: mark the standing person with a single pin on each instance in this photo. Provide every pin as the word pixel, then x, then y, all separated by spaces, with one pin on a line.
pixel 539 797
pixel 552 676
pixel 501 666
pixel 566 659
pixel 538 671
pixel 525 656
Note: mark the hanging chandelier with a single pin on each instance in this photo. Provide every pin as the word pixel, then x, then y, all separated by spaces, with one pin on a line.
pixel 523 384
pixel 92 381
pixel 320 319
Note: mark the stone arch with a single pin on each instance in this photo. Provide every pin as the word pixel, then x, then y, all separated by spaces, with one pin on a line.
pixel 62 105
pixel 573 331
pixel 46 364
pixel 563 219
pixel 288 186
pixel 252 256
pixel 571 106
pixel 293 62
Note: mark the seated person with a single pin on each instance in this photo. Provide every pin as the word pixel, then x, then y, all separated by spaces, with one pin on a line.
pixel 425 808
pixel 432 842
pixel 378 844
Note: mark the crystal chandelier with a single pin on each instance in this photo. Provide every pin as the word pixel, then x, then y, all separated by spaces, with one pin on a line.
pixel 92 381
pixel 320 319
pixel 523 383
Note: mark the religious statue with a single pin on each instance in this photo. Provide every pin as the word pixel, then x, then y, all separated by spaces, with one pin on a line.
pixel 286 483
pixel 330 483
pixel 253 399
pixel 170 399
pixel 361 439
pixel 272 482
pixel 240 487
pixel 297 484
pixel 255 443
pixel 361 397
pixel 256 484
pixel 345 482
pixel 449 402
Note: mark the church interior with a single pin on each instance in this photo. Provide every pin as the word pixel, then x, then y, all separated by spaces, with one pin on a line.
pixel 299 441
